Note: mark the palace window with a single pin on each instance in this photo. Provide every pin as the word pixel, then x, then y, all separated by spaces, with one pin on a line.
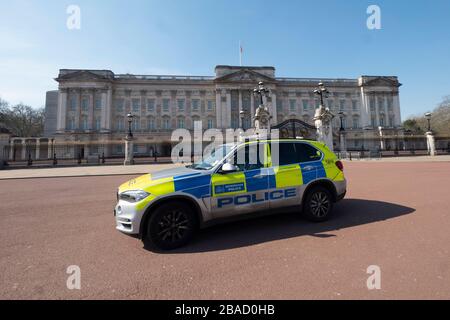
pixel 151 124
pixel 165 105
pixel 180 123
pixel 119 105
pixel 305 105
pixel 279 105
pixel 210 123
pixel 97 123
pixel 341 105
pixel 292 105
pixel 372 103
pixel 85 103
pixel 136 125
pixel 210 105
pixel 151 105
pixel 84 123
pixel 195 104
pixel 166 123
pixel 120 124
pixel 373 122
pixel 180 103
pixel 355 123
pixel 98 103
pixel 135 103
pixel 354 105
pixel 71 124
pixel 73 103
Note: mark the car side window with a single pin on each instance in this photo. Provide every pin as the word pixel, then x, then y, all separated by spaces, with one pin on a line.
pixel 306 152
pixel 249 157
pixel 286 153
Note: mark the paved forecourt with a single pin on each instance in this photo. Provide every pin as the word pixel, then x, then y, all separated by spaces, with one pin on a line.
pixel 395 216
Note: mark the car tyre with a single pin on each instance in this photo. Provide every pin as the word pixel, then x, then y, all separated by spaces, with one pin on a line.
pixel 318 204
pixel 170 226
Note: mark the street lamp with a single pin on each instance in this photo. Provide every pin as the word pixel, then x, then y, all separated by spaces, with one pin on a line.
pixel 428 117
pixel 130 121
pixel 242 114
pixel 261 91
pixel 341 117
pixel 321 91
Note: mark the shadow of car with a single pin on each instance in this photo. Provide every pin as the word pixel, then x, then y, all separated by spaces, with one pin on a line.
pixel 347 213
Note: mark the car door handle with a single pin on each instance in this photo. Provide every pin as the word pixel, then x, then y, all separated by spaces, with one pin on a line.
pixel 259 176
pixel 309 168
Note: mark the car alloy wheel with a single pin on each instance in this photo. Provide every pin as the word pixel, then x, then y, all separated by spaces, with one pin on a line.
pixel 173 226
pixel 319 204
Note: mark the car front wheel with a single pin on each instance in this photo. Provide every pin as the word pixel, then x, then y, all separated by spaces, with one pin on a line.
pixel 171 226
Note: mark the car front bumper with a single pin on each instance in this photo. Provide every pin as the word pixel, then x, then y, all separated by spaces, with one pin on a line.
pixel 128 218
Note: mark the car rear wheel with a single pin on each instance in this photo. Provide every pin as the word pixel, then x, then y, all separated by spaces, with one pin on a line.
pixel 318 204
pixel 171 226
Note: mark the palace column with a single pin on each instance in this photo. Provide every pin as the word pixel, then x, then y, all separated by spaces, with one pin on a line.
pixel 24 149
pixel 38 149
pixel 396 108
pixel 91 110
pixel 61 111
pixel 252 107
pixel 78 110
pixel 219 109
pixel 11 150
pixel 227 110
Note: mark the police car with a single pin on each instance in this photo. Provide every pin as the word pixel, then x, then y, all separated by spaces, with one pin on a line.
pixel 248 178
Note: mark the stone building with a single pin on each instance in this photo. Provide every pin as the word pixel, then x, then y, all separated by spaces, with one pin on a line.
pixel 88 112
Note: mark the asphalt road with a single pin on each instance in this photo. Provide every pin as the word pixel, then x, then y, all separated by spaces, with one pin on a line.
pixel 395 216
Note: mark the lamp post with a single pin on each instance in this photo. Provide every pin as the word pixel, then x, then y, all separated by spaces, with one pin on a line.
pixel 242 114
pixel 428 117
pixel 430 137
pixel 343 147
pixel 321 91
pixel 129 143
pixel 130 121
pixel 261 91
pixel 323 117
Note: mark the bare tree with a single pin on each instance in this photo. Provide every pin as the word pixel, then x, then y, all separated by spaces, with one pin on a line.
pixel 440 120
pixel 22 120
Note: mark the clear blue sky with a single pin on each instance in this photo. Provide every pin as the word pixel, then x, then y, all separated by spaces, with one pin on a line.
pixel 298 38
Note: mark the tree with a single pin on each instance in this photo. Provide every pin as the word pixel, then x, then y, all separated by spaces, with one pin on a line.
pixel 440 120
pixel 22 120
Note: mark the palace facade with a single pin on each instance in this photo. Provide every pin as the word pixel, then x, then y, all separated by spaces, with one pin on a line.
pixel 88 111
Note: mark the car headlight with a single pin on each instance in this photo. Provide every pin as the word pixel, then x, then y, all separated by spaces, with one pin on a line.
pixel 133 195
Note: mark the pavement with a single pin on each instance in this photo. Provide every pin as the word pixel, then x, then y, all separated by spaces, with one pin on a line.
pixel 395 216
pixel 108 170
pixel 83 171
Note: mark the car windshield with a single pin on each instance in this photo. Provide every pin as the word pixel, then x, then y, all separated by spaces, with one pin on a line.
pixel 211 160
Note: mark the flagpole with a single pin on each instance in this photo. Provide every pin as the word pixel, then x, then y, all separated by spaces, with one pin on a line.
pixel 240 53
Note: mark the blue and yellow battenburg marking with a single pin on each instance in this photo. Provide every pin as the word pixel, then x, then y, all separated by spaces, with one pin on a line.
pixel 236 184
pixel 255 198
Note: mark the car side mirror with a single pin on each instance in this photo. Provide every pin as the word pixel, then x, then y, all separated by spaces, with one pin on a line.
pixel 228 168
